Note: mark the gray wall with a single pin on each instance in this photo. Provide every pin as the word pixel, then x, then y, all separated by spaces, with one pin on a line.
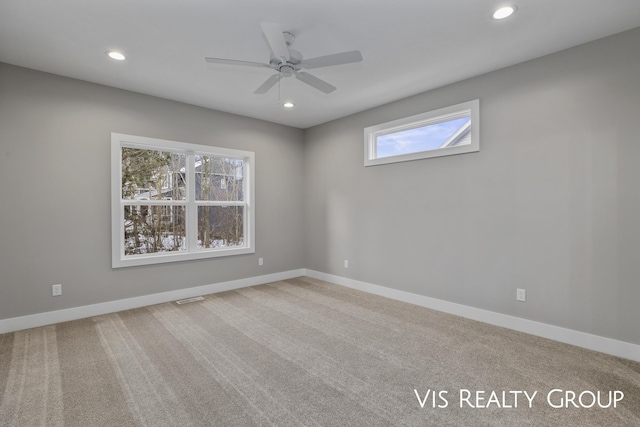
pixel 55 225
pixel 550 203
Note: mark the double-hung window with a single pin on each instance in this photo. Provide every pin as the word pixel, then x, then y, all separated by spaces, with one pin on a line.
pixel 443 132
pixel 173 201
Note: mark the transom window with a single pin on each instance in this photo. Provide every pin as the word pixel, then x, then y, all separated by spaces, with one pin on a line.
pixel 443 132
pixel 174 201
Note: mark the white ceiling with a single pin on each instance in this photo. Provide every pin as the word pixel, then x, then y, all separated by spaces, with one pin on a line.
pixel 409 46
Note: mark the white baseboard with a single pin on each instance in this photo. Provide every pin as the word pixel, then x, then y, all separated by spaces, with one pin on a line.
pixel 51 317
pixel 556 333
pixel 568 336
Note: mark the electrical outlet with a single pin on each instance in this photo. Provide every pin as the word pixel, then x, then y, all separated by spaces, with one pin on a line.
pixel 521 295
pixel 260 261
pixel 346 263
pixel 56 290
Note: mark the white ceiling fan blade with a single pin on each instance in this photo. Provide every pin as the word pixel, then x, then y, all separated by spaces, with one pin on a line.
pixel 275 38
pixel 268 84
pixel 236 62
pixel 315 82
pixel 334 59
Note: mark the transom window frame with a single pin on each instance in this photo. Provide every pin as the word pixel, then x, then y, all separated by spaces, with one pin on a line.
pixel 469 108
pixel 118 258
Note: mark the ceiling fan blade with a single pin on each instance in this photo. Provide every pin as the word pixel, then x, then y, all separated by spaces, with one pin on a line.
pixel 236 62
pixel 268 84
pixel 277 43
pixel 315 82
pixel 334 59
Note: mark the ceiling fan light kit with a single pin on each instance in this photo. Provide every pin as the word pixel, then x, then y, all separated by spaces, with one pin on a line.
pixel 289 62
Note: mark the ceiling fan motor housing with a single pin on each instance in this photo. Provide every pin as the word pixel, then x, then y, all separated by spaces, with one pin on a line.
pixel 287 68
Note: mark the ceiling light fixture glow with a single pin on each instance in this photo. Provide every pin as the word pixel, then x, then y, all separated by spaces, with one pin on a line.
pixel 504 12
pixel 115 55
pixel 288 104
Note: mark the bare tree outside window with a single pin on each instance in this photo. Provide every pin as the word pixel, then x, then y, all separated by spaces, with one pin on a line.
pixel 160 176
pixel 153 175
pixel 219 179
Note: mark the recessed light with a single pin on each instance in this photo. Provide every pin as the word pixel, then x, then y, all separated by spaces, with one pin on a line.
pixel 504 12
pixel 288 105
pixel 115 55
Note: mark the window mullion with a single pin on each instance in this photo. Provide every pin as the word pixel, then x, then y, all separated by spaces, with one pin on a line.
pixel 220 203
pixel 192 211
pixel 132 202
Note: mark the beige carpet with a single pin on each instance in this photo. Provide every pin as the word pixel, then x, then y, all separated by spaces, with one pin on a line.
pixel 303 352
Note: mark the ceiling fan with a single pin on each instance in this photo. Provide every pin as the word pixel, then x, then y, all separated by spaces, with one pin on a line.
pixel 289 62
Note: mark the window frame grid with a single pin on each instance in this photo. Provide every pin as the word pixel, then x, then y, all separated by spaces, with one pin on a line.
pixel 192 252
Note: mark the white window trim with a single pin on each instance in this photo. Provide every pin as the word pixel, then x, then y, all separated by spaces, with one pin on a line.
pixel 419 120
pixel 118 258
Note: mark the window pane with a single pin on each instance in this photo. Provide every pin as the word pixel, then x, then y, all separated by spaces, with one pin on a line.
pixel 151 229
pixel 219 178
pixel 152 175
pixel 445 134
pixel 220 226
